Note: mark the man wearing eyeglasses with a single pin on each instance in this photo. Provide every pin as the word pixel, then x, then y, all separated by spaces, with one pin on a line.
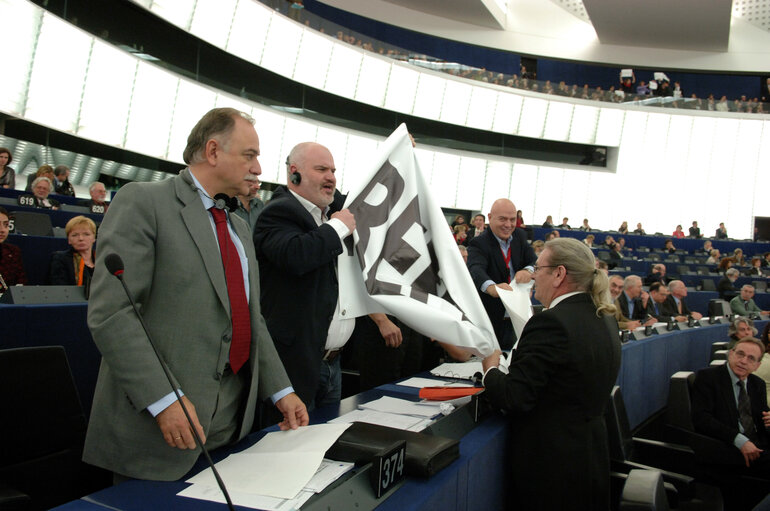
pixel 730 404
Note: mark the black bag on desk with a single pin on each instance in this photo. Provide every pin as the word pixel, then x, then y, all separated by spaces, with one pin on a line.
pixel 425 454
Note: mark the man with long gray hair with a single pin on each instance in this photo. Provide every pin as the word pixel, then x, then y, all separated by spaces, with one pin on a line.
pixel 558 383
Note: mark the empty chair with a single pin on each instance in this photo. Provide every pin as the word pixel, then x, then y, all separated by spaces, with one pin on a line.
pixel 719 355
pixel 72 208
pixel 760 286
pixel 703 270
pixel 717 346
pixel 708 285
pixel 683 269
pixel 44 427
pixel 644 491
pixel 32 224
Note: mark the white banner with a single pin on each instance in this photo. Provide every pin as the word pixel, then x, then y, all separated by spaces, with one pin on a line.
pixel 402 258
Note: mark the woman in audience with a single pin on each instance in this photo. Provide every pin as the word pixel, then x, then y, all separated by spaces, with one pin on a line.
pixel 459 220
pixel 738 256
pixel 714 256
pixel 11 267
pixel 537 246
pixel 7 174
pixel 41 188
pixel 725 264
pixel 548 224
pixel 74 267
pixel 756 267
pixel 589 241
pixel 669 247
pixel 461 234
pixel 623 228
pixel 763 371
pixel 520 219
pixel 678 233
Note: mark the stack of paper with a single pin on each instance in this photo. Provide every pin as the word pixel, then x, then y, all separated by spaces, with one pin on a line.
pixel 281 471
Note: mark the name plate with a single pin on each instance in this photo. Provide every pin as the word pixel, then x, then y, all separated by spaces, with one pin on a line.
pixel 388 468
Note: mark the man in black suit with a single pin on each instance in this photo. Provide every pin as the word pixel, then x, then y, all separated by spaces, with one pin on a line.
pixel 657 274
pixel 96 204
pixel 675 305
pixel 730 404
pixel 479 226
pixel 658 296
pixel 497 256
pixel 557 386
pixel 695 230
pixel 298 237
pixel 726 285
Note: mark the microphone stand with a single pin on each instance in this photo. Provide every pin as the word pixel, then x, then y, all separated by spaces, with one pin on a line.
pixel 119 275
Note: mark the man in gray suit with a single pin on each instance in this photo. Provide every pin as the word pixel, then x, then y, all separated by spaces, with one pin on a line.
pixel 168 240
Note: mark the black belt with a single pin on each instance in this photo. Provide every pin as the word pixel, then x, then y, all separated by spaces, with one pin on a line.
pixel 330 355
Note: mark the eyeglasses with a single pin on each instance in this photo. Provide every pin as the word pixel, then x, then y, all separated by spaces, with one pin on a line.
pixel 740 354
pixel 536 267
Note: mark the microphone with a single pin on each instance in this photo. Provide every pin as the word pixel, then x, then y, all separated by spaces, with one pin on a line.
pixel 114 265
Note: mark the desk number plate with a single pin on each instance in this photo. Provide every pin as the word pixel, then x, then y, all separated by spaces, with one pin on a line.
pixel 388 468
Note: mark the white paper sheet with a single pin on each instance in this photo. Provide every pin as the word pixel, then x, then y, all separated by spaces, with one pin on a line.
pixel 518 305
pixel 391 420
pixel 402 407
pixel 428 382
pixel 317 438
pixel 202 492
pixel 327 473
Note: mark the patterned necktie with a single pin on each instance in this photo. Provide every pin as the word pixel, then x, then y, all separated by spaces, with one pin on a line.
pixel 239 307
pixel 744 413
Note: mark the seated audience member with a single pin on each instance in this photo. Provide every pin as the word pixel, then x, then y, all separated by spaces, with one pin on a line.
pixel 585 226
pixel 623 229
pixel 463 252
pixel 616 257
pixel 743 305
pixel 565 224
pixel 589 240
pixel 459 220
pixel 75 266
pixel 765 259
pixel 622 243
pixel 601 265
pixel 551 235
pixel 721 232
pixel 738 257
pixel 538 246
pixel 639 229
pixel 707 248
pixel 96 203
pixel 725 264
pixel 730 404
pixel 11 264
pixel 740 328
pixel 548 224
pixel 695 230
pixel 520 220
pixel 616 287
pixel 7 174
pixel 42 171
pixel 714 256
pixel 461 234
pixel 479 224
pixel 41 188
pixel 669 247
pixel 725 287
pixel 755 269
pixel 608 242
pixel 657 274
pixel 763 371
pixel 678 232
pixel 658 295
pixel 61 184
pixel 675 304
pixel 633 301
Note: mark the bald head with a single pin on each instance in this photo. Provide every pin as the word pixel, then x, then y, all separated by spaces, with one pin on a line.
pixel 502 218
pixel 310 168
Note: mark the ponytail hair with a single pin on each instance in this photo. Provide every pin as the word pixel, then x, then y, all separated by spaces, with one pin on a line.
pixel 582 272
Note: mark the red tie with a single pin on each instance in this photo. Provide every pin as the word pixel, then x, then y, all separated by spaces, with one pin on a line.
pixel 239 307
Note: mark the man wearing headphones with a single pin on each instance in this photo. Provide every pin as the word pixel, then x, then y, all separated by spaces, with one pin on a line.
pixel 298 237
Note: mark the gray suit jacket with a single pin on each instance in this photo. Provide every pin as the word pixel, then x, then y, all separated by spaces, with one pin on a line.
pixel 174 270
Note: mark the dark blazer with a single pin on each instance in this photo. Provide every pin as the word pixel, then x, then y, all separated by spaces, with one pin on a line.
pixel 299 287
pixel 559 381
pixel 660 314
pixel 726 289
pixel 669 308
pixel 485 262
pixel 11 265
pixel 61 272
pixel 640 312
pixel 53 202
pixel 714 412
pixel 695 232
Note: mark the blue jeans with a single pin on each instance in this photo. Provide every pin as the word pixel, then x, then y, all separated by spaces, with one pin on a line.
pixel 329 384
